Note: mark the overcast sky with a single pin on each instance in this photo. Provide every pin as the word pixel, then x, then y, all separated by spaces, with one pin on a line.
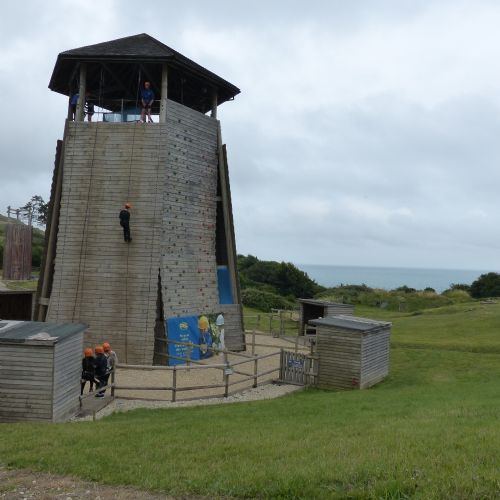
pixel 366 133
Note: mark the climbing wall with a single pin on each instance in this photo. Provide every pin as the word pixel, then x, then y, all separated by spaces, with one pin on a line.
pixel 188 255
pixel 189 268
pixel 98 278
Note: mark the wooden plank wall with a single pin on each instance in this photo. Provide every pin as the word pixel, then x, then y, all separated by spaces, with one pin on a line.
pixel 374 357
pixel 25 382
pixel 339 358
pixel 67 374
pixel 169 173
pixel 99 279
pixel 17 252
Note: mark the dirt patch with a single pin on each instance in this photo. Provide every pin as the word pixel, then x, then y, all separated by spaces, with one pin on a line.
pixel 25 484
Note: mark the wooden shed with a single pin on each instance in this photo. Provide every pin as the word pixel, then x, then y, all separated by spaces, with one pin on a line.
pixel 40 369
pixel 16 304
pixel 353 352
pixel 314 309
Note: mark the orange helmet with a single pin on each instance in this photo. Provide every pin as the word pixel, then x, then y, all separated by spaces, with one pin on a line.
pixel 99 349
pixel 106 347
pixel 88 353
pixel 128 205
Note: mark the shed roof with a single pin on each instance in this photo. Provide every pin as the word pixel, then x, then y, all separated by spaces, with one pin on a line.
pixel 316 302
pixel 117 63
pixel 21 331
pixel 351 323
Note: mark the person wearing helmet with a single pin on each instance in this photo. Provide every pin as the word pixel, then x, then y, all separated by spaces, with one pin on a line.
pixel 101 369
pixel 111 357
pixel 88 370
pixel 125 222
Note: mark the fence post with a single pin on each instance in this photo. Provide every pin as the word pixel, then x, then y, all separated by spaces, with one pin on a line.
pixel 258 321
pixel 113 382
pixel 174 384
pixel 255 371
pixel 271 323
pixel 282 362
pixel 226 376
pixel 282 324
pixel 253 343
pixel 296 344
pixel 190 351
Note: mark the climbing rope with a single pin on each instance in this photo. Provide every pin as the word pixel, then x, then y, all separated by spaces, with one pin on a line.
pixel 84 244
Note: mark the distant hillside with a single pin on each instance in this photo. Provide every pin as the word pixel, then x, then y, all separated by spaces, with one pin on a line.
pixel 38 241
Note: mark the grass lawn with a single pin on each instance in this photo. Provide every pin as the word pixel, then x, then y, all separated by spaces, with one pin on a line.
pixel 431 430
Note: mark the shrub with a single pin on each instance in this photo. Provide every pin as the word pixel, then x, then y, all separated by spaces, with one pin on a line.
pixel 264 300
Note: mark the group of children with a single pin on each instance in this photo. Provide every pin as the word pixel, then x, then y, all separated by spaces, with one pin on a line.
pixel 97 368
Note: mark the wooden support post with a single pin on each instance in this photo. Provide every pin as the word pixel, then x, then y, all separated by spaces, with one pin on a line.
pixel 189 352
pixel 296 344
pixel 80 107
pixel 255 371
pixel 253 343
pixel 52 236
pixel 174 384
pixel 214 104
pixel 113 371
pixel 226 376
pixel 282 361
pixel 164 93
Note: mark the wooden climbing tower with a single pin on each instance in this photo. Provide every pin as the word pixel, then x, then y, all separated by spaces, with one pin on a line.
pixel 174 172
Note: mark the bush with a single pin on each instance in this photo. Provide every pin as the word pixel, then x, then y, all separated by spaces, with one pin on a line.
pixel 265 301
pixel 487 285
pixel 457 295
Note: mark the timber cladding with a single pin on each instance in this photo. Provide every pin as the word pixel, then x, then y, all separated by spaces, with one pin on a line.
pixel 168 172
pixel 353 352
pixel 39 379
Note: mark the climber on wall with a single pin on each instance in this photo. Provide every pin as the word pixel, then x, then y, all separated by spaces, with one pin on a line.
pixel 125 222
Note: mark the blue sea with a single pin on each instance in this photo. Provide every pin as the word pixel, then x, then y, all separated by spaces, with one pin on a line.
pixel 389 277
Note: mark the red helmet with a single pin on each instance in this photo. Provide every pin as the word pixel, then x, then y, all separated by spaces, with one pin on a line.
pixel 88 353
pixel 128 205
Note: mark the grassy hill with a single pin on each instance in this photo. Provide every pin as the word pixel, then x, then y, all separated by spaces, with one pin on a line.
pixel 429 431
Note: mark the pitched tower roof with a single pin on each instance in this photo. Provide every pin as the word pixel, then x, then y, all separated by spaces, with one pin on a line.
pixel 115 69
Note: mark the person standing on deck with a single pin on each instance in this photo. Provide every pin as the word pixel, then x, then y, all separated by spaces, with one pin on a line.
pixel 147 99
pixel 125 222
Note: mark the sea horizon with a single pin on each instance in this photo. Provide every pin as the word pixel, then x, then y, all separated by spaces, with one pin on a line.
pixel 388 278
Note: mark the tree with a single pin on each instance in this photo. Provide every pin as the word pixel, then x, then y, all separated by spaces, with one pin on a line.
pixel 487 285
pixel 36 210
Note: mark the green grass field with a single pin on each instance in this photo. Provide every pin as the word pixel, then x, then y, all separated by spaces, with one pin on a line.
pixel 431 430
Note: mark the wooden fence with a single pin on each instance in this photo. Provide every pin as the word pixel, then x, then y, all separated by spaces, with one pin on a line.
pixel 297 368
pixel 227 368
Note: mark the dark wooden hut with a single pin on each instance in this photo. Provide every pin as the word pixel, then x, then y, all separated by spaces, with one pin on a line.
pixel 314 309
pixel 16 304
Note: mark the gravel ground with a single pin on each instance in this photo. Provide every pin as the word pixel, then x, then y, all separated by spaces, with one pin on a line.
pixel 26 484
pixel 241 391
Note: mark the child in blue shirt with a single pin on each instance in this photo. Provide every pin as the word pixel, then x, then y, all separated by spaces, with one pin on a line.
pixel 147 99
